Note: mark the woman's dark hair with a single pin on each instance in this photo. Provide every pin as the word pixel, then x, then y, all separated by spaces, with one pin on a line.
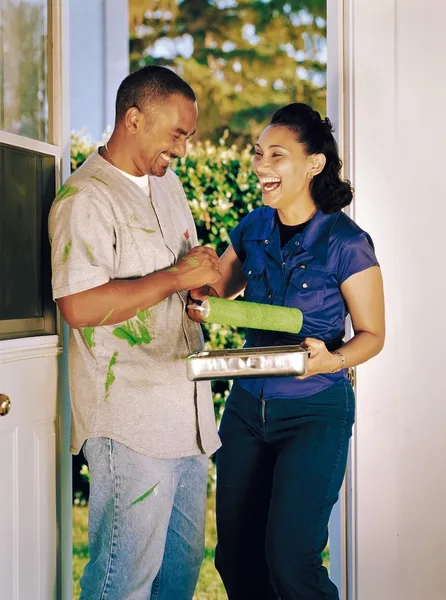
pixel 329 192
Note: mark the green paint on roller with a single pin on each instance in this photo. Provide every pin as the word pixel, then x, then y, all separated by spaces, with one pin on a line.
pixel 252 315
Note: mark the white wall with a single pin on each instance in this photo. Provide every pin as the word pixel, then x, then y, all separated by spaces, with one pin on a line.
pixel 99 61
pixel 396 92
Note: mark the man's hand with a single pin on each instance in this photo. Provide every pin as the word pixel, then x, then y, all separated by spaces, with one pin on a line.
pixel 197 268
pixel 196 297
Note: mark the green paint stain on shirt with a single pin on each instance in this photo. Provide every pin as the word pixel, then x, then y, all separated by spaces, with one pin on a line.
pixel 134 219
pixel 135 332
pixel 143 315
pixel 145 230
pixel 106 318
pixel 89 252
pixel 100 180
pixel 110 377
pixel 89 336
pixel 172 269
pixel 66 252
pixel 66 191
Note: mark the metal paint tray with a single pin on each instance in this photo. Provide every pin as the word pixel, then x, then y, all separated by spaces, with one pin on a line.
pixel 269 361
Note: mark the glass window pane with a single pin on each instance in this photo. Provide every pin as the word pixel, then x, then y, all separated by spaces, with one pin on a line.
pixel 24 68
pixel 27 187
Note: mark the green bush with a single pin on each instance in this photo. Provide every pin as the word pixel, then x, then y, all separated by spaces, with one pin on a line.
pixel 221 189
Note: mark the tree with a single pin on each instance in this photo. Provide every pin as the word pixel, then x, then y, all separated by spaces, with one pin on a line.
pixel 23 69
pixel 244 59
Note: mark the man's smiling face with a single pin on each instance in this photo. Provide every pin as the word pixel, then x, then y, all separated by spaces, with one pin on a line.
pixel 163 132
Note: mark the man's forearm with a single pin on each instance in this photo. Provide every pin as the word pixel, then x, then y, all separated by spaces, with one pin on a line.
pixel 117 300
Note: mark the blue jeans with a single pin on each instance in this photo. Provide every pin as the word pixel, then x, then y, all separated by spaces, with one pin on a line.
pixel 279 472
pixel 151 550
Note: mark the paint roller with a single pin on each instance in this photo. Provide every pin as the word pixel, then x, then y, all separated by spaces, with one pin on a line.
pixel 250 314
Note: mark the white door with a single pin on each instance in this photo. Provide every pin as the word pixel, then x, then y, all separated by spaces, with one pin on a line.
pixel 35 494
pixel 28 453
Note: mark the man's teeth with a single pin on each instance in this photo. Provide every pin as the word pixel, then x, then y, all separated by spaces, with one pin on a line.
pixel 165 157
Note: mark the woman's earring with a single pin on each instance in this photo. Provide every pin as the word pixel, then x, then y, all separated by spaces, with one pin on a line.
pixel 310 175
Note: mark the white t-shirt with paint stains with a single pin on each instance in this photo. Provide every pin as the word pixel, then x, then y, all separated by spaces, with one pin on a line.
pixel 128 380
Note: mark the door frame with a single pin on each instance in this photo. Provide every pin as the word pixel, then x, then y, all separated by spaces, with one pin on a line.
pixel 340 109
pixel 58 146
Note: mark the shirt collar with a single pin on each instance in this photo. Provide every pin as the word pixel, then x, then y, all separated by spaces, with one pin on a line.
pixel 315 237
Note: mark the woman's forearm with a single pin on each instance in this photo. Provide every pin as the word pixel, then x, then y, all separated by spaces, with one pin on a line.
pixel 362 347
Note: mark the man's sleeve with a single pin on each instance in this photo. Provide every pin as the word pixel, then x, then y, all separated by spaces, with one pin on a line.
pixel 82 243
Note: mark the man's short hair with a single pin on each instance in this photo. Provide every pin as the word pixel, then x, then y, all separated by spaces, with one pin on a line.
pixel 149 85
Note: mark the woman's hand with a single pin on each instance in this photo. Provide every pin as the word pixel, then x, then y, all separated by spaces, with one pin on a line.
pixel 320 359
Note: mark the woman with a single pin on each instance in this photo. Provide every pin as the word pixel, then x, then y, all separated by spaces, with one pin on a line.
pixel 285 440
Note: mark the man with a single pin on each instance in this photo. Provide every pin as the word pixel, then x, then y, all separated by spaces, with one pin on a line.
pixel 124 254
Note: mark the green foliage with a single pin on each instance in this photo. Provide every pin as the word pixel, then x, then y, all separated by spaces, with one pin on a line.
pixel 80 149
pixel 221 189
pixel 243 59
pixel 24 69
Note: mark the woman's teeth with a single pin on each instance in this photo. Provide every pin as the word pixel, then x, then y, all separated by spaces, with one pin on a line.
pixel 165 157
pixel 269 183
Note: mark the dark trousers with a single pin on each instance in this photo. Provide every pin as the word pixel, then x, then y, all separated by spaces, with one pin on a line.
pixel 279 472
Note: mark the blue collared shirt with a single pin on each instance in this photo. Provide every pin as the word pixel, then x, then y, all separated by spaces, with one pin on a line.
pixel 307 274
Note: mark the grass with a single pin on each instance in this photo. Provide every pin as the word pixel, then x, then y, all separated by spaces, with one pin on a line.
pixel 209 586
pixel 80 546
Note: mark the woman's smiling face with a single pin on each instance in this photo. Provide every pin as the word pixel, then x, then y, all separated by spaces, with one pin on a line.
pixel 282 166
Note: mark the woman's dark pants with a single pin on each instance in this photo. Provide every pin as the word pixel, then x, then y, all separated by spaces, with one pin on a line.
pixel 279 473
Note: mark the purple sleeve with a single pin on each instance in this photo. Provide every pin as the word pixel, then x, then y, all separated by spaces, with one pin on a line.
pixel 356 255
